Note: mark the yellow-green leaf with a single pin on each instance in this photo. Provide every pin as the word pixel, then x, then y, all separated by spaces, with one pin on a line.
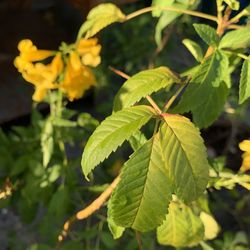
pixel 210 224
pixel 112 132
pixel 99 18
pixel 142 84
pixel 181 228
pixel 185 155
pixel 141 198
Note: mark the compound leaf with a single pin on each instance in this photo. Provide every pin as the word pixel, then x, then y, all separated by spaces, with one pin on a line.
pixel 186 158
pixel 182 228
pixel 100 17
pixel 244 92
pixel 141 198
pixel 142 84
pixel 112 132
pixel 236 39
pixel 207 34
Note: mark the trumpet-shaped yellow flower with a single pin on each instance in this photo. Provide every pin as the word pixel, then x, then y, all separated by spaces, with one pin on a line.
pixel 44 76
pixel 89 51
pixel 78 78
pixel 245 146
pixel 28 54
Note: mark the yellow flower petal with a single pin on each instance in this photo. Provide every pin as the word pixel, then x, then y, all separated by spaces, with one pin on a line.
pixel 75 61
pixel 39 94
pixel 29 53
pixel 89 51
pixel 77 79
pixel 245 146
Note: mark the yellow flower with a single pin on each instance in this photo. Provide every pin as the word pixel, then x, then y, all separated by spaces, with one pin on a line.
pixel 28 54
pixel 245 146
pixel 78 78
pixel 89 50
pixel 44 77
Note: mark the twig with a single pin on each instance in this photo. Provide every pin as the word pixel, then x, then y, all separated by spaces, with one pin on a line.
pixel 183 11
pixel 138 239
pixel 86 212
pixel 149 98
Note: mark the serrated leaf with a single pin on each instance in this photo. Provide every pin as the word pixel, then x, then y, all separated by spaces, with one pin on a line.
pixel 141 198
pixel 194 48
pixel 233 4
pixel 160 3
pixel 47 142
pixel 213 69
pixel 182 228
pixel 236 39
pixel 207 34
pixel 210 224
pixel 100 17
pixel 142 84
pixel 203 97
pixel 186 157
pixel 244 92
pixel 112 132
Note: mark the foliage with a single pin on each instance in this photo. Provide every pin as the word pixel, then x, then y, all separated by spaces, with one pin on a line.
pixel 165 184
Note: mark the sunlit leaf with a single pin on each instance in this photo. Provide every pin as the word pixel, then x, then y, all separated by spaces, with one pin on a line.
pixel 112 132
pixel 210 224
pixel 141 198
pixel 244 92
pixel 186 157
pixel 100 17
pixel 236 39
pixel 181 228
pixel 142 84
pixel 194 48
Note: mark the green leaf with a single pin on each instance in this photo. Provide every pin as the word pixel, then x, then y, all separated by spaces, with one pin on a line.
pixel 210 224
pixel 186 157
pixel 63 122
pixel 203 97
pixel 137 140
pixel 141 198
pixel 142 84
pixel 236 39
pixel 182 228
pixel 47 142
pixel 116 230
pixel 213 69
pixel 168 17
pixel 160 3
pixel 233 4
pixel 112 132
pixel 244 92
pixel 100 17
pixel 207 34
pixel 194 48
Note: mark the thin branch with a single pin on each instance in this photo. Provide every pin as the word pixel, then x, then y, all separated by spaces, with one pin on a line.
pixel 174 9
pixel 149 98
pixel 86 212
pixel 173 98
pixel 138 239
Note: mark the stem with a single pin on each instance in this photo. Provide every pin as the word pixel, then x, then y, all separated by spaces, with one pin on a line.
pixel 86 212
pixel 173 98
pixel 149 98
pixel 238 16
pixel 174 9
pixel 138 239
